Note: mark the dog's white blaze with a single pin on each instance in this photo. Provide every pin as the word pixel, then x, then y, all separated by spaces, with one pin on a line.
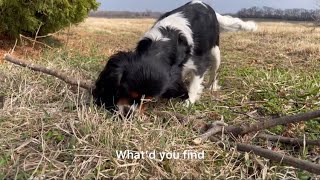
pixel 198 2
pixel 175 21
pixel 195 89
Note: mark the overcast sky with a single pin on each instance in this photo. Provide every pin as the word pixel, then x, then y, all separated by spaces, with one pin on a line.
pixel 222 6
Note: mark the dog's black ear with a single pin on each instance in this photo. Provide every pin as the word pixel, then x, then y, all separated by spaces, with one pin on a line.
pixel 182 40
pixel 143 45
pixel 108 82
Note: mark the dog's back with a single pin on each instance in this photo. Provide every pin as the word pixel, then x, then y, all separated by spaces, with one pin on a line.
pixel 197 21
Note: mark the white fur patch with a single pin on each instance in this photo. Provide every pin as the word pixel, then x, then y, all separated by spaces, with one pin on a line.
pixel 217 57
pixel 195 89
pixel 156 35
pixel 198 2
pixel 175 21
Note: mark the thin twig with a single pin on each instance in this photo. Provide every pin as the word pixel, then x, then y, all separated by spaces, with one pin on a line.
pixel 283 159
pixel 36 36
pixel 286 140
pixel 50 34
pixel 14 47
pixel 32 40
pixel 64 77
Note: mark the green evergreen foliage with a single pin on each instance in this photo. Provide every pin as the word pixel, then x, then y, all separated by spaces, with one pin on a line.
pixel 26 16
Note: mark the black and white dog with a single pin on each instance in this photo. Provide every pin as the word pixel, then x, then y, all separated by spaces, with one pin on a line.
pixel 185 40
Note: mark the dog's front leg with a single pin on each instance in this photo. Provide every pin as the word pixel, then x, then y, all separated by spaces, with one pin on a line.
pixel 195 89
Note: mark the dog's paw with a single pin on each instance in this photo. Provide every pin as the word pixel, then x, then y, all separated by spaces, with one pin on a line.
pixel 215 86
pixel 188 103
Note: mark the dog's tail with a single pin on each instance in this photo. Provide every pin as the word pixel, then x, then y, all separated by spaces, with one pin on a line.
pixel 228 23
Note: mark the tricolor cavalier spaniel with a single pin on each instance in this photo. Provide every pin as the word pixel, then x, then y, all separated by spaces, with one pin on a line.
pixel 185 40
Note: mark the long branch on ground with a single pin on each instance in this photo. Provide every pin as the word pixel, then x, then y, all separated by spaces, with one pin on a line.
pixel 269 154
pixel 53 72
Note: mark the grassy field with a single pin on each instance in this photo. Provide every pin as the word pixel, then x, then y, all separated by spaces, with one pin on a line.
pixel 48 130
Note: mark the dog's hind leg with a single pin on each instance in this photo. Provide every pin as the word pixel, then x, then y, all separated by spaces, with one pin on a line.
pixel 213 72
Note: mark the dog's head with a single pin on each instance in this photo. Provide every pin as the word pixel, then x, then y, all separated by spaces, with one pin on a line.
pixel 127 79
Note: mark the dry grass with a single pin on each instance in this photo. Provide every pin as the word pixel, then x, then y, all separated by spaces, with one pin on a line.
pixel 51 130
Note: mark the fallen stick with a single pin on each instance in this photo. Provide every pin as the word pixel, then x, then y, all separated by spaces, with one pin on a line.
pixel 286 140
pixel 64 77
pixel 216 128
pixel 236 131
pixel 206 135
pixel 283 159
